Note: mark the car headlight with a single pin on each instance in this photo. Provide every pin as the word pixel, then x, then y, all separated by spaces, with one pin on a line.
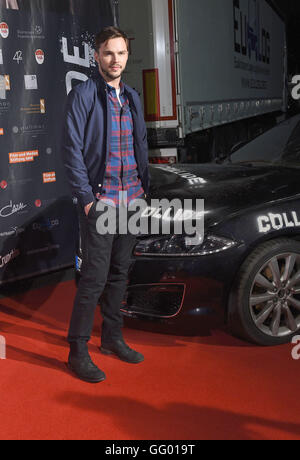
pixel 179 246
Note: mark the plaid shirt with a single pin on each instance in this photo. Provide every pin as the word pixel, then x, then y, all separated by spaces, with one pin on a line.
pixel 121 171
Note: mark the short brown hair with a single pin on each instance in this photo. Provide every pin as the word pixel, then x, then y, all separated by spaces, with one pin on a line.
pixel 107 34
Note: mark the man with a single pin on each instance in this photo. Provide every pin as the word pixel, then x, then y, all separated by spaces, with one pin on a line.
pixel 105 153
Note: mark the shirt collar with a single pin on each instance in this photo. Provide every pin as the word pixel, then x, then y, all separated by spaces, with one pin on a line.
pixel 111 88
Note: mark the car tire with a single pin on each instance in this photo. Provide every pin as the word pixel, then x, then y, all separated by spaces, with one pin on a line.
pixel 270 267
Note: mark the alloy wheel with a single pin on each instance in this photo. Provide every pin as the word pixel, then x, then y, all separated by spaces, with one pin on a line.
pixel 275 296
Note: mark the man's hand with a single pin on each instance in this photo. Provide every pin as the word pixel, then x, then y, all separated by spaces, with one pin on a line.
pixel 87 208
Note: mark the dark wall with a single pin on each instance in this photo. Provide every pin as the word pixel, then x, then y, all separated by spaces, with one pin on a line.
pixel 60 6
pixel 291 10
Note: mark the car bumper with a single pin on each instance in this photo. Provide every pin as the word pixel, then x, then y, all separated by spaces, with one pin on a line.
pixel 173 287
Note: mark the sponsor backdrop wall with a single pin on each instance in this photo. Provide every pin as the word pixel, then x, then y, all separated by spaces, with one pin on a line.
pixel 46 47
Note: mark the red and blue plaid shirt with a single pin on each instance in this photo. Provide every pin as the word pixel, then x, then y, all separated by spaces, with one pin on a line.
pixel 121 170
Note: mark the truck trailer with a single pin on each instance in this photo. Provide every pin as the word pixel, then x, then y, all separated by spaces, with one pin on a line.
pixel 211 73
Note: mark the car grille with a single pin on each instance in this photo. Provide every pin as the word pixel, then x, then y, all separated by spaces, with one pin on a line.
pixel 160 300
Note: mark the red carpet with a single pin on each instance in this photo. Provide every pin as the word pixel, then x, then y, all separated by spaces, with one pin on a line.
pixel 188 388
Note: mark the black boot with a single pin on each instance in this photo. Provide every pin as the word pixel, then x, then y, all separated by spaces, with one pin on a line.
pixel 81 364
pixel 123 351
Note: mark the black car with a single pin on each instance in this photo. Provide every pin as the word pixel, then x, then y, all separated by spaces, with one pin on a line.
pixel 247 269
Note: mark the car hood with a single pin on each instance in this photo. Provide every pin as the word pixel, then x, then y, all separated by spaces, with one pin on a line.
pixel 226 189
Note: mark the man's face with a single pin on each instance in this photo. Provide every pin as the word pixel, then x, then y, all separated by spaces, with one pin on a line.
pixel 112 58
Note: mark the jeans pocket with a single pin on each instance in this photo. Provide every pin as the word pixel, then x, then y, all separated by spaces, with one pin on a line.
pixel 92 209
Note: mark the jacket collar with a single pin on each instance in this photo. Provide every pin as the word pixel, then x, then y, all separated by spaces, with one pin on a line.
pixel 102 85
pixel 100 82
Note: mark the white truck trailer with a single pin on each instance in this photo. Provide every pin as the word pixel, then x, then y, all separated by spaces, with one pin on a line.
pixel 211 73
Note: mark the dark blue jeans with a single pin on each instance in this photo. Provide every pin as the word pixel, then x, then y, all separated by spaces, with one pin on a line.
pixel 104 274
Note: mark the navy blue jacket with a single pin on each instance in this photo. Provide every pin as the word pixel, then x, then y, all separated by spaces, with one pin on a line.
pixel 86 138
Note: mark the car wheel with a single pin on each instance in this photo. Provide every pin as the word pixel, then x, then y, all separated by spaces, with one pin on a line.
pixel 264 304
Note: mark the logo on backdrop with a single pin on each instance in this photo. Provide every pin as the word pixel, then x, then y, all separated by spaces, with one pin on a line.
pixel 15 231
pixel 32 108
pixel 85 62
pixel 3 184
pixel 40 56
pixel 18 56
pixel 12 209
pixel 4 260
pixel 4 30
pixel 4 105
pixel 49 177
pixel 7 82
pixel 44 226
pixel 33 130
pixel 36 32
pixel 23 157
pixel 42 106
pixel 30 82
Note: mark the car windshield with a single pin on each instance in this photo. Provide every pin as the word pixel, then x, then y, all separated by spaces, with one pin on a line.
pixel 279 145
